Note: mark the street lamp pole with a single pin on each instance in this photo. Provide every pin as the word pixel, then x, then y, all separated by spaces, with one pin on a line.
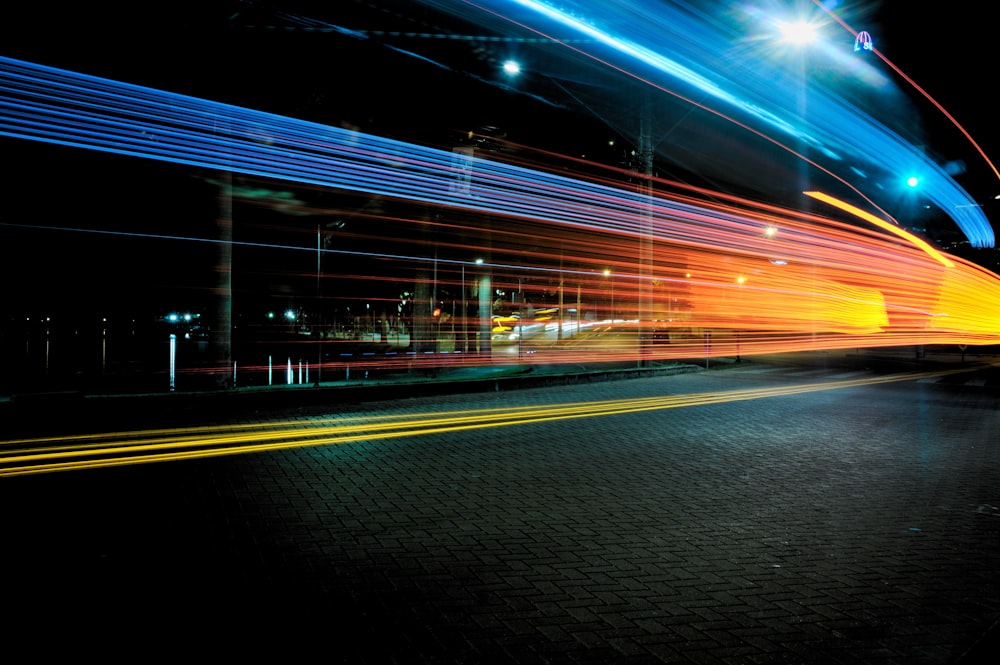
pixel 520 320
pixel 611 284
pixel 319 304
pixel 465 314
pixel 646 232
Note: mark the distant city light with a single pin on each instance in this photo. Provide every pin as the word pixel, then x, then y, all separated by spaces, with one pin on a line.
pixel 512 67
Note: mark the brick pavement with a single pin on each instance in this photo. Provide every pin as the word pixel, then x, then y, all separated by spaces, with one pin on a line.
pixel 856 525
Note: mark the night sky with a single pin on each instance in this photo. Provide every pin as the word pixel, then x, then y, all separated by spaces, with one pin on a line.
pixel 949 49
pixel 225 51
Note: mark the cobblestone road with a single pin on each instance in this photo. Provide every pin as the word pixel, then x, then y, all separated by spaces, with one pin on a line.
pixel 852 525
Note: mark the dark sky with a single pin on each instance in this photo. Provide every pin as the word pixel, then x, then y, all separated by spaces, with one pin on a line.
pixel 949 49
pixel 245 52
pixel 225 50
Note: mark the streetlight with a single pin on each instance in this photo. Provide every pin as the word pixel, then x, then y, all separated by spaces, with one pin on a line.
pixel 511 67
pixel 520 319
pixel 465 307
pixel 740 280
pixel 607 273
pixel 465 313
pixel 797 32
pixel 801 33
pixel 645 171
pixel 321 242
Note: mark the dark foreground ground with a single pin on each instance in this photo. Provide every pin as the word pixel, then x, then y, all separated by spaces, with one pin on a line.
pixel 854 525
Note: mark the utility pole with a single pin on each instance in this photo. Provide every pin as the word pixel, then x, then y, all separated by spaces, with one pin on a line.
pixel 222 328
pixel 645 230
pixel 318 328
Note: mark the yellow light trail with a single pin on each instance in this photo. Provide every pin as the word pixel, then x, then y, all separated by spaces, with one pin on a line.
pixel 882 224
pixel 35 456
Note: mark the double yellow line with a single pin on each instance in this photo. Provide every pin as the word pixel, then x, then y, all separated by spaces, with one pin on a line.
pixel 90 451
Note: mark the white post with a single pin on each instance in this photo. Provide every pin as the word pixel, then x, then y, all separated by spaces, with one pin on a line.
pixel 173 359
pixel 465 312
pixel 289 375
pixel 270 371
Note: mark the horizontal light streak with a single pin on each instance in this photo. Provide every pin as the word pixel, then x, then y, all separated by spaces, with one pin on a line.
pixel 164 126
pixel 158 125
pixel 805 286
pixel 39 455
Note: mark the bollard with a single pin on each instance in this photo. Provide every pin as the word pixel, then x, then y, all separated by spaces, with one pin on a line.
pixel 173 360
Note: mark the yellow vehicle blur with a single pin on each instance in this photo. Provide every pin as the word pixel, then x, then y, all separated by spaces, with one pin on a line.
pixel 546 314
pixel 505 324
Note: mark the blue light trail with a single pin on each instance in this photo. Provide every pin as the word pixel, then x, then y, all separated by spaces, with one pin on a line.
pixel 726 55
pixel 41 103
pixel 832 274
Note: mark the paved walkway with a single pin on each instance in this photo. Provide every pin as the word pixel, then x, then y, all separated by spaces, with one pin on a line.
pixel 840 526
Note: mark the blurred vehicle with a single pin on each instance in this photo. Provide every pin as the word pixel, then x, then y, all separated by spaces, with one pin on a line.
pixel 505 324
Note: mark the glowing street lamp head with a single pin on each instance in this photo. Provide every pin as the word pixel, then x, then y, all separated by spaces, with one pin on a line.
pixel 798 32
pixel 511 67
pixel 912 181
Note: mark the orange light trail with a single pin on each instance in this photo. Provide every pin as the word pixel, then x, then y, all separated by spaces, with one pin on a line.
pixel 455 260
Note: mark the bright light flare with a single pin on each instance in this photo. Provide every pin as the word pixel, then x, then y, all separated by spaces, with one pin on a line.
pixel 799 32
pixel 511 67
pixel 670 50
